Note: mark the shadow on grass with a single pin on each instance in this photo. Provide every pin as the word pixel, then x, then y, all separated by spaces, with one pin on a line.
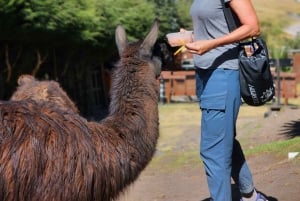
pixel 291 129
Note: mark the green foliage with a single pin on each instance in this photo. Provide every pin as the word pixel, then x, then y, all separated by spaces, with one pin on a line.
pixel 173 15
pixel 294 44
pixel 93 22
pixel 72 21
pixel 167 13
pixel 277 40
pixel 183 7
pixel 135 15
pixel 49 20
pixel 74 18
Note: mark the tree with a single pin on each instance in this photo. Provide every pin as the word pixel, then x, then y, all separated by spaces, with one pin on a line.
pixel 64 38
pixel 72 21
pixel 183 9
pixel 173 14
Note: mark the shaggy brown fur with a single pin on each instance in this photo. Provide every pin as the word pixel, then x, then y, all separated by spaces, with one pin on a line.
pixel 48 153
pixel 42 91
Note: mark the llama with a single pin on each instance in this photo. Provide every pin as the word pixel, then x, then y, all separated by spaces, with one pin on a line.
pixel 48 153
pixel 43 91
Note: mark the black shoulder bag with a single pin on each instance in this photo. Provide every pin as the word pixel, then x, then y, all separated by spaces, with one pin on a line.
pixel 256 80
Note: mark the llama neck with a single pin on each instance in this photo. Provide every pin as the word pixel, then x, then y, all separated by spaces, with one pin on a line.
pixel 131 130
pixel 134 89
pixel 134 106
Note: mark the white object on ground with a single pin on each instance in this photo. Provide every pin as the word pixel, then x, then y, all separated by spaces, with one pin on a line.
pixel 292 155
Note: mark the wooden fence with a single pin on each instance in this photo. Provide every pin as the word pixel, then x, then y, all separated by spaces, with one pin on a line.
pixel 288 85
pixel 183 83
pixel 178 83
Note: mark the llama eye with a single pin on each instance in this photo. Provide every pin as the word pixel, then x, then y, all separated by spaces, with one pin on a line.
pixel 157 61
pixel 145 54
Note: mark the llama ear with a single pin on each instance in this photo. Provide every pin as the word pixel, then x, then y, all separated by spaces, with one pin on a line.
pixel 151 38
pixel 23 79
pixel 121 39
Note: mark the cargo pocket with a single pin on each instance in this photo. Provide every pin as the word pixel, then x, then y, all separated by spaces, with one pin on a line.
pixel 214 93
pixel 213 101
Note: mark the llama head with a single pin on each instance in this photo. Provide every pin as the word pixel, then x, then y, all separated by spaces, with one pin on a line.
pixel 145 47
pixel 42 92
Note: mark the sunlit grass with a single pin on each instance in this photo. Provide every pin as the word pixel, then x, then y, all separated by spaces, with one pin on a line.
pixel 176 118
pixel 280 148
pixel 172 160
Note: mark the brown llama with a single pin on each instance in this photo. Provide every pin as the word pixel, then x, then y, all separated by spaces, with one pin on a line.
pixel 52 154
pixel 43 91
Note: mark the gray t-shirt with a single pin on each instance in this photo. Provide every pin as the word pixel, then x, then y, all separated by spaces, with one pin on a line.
pixel 209 22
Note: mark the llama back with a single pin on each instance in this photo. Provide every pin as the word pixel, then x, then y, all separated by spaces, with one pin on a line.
pixel 47 156
pixel 50 155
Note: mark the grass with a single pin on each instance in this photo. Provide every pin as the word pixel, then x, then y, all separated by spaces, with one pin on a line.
pixel 173 115
pixel 176 120
pixel 172 161
pixel 279 147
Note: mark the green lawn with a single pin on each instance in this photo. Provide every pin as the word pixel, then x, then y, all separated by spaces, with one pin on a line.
pixel 178 144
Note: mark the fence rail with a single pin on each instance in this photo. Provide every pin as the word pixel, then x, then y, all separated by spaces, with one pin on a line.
pixel 183 83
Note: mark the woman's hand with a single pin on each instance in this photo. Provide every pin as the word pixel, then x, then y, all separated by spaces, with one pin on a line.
pixel 201 46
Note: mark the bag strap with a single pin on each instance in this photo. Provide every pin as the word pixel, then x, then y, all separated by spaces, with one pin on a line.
pixel 231 18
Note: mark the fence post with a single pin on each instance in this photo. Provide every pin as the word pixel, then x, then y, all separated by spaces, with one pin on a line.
pixel 278 81
pixel 162 93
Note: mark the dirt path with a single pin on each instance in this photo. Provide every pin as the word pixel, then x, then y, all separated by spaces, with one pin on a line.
pixel 275 176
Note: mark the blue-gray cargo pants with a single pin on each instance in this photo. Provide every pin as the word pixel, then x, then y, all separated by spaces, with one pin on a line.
pixel 218 91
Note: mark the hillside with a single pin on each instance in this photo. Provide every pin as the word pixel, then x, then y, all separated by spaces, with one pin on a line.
pixel 275 11
pixel 280 22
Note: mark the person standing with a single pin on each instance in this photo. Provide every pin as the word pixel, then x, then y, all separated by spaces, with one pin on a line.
pixel 215 51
